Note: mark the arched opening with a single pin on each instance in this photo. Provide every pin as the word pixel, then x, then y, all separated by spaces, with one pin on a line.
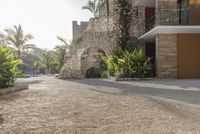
pixel 91 63
pixel 93 72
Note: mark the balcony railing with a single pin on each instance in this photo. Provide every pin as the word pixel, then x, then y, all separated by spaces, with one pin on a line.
pixel 172 17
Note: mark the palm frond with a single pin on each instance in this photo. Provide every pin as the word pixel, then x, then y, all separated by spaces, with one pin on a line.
pixel 15 37
pixel 28 46
pixel 93 6
pixel 64 41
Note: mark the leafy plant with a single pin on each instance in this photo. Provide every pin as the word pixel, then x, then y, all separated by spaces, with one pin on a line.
pixel 104 74
pixel 128 64
pixel 60 52
pixel 8 67
pixel 93 6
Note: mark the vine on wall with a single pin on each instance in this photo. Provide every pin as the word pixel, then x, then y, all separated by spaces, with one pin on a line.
pixel 125 22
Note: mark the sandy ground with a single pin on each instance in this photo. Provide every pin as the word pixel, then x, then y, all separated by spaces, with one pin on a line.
pixel 96 106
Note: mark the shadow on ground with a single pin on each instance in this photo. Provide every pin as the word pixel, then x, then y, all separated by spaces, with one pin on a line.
pixel 177 90
pixel 1 120
pixel 30 82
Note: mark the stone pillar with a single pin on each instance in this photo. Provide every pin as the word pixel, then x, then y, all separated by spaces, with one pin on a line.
pixel 166 55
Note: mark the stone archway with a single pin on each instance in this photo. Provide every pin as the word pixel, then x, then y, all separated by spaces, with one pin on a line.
pixel 91 64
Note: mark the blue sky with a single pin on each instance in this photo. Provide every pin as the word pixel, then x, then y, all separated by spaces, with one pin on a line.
pixel 45 19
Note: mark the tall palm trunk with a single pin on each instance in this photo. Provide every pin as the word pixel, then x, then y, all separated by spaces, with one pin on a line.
pixel 18 53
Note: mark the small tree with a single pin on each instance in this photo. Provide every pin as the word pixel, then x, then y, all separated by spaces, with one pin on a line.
pixel 8 67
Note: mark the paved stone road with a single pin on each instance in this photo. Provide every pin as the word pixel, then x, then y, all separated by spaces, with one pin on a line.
pixel 98 106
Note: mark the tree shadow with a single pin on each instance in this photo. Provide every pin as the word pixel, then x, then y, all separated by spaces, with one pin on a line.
pixel 31 82
pixel 164 89
pixel 1 119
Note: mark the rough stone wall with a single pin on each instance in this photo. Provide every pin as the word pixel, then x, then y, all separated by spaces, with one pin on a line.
pixel 78 29
pixel 106 33
pixel 166 55
pixel 167 12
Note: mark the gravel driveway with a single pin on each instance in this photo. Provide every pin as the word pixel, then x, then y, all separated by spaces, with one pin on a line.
pixel 97 106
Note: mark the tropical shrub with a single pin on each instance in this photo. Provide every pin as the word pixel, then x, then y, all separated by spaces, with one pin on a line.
pixel 104 74
pixel 8 67
pixel 128 64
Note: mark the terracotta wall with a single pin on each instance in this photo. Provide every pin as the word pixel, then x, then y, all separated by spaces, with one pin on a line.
pixel 188 56
pixel 194 12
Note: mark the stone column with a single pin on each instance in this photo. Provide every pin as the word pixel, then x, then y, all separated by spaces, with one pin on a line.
pixel 166 55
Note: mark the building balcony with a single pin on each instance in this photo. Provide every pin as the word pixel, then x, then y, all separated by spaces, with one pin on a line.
pixel 170 20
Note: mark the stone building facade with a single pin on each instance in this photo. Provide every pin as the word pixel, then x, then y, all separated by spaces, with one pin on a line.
pixel 78 29
pixel 175 36
pixel 118 21
pixel 165 27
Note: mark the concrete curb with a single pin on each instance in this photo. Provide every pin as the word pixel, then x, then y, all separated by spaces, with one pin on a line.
pixel 13 89
pixel 132 79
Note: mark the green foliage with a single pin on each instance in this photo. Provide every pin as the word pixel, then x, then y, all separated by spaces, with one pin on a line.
pixel 16 38
pixel 60 52
pixel 104 74
pixel 8 67
pixel 128 64
pixel 93 6
pixel 47 61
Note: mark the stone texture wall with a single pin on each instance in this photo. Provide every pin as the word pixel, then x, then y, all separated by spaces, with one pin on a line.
pixel 78 29
pixel 166 55
pixel 167 12
pixel 106 33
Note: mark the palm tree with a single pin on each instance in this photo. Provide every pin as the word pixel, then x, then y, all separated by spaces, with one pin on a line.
pixel 2 39
pixel 15 37
pixel 64 41
pixel 47 60
pixel 93 6
pixel 60 51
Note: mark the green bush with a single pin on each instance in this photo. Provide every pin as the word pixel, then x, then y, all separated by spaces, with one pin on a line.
pixel 104 74
pixel 128 64
pixel 8 67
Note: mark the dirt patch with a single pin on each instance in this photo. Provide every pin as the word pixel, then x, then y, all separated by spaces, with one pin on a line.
pixel 95 106
pixel 1 119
